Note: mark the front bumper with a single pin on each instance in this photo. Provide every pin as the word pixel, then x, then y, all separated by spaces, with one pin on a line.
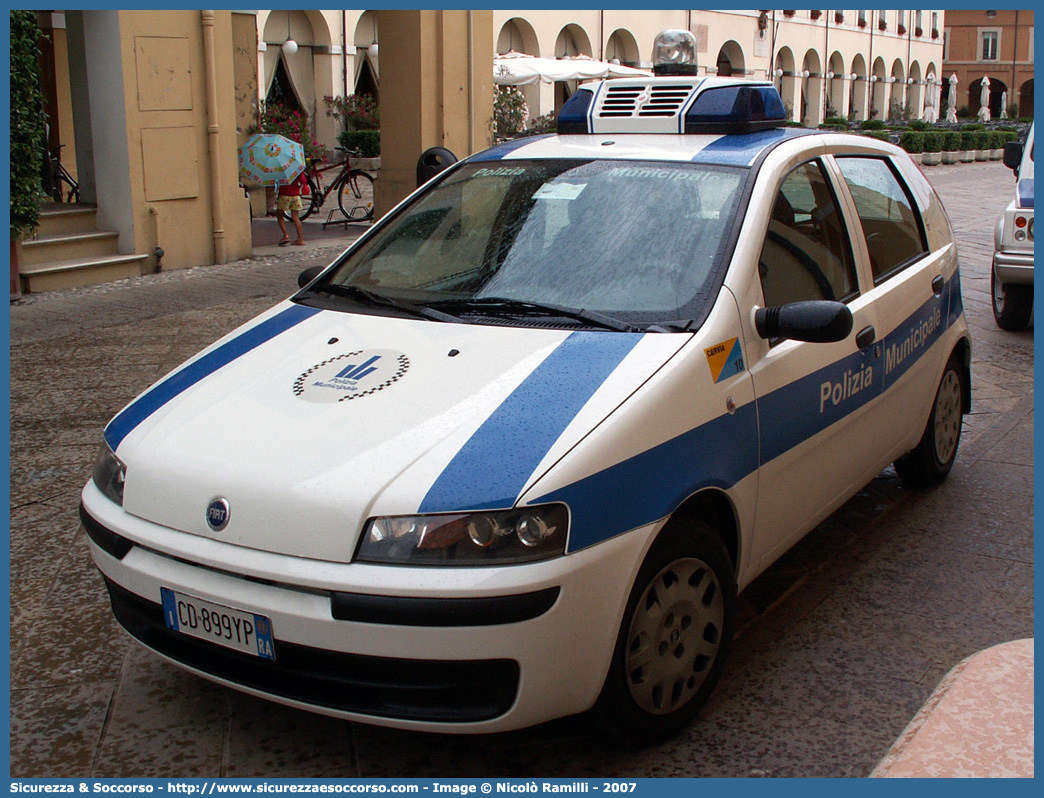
pixel 1013 267
pixel 521 644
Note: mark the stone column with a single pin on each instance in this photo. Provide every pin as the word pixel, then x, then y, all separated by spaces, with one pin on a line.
pixel 436 91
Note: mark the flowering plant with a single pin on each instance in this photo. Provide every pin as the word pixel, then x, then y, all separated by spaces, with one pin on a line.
pixel 275 117
pixel 509 112
pixel 354 112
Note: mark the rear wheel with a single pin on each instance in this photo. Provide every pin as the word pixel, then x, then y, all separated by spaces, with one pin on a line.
pixel 1012 303
pixel 355 196
pixel 930 461
pixel 675 635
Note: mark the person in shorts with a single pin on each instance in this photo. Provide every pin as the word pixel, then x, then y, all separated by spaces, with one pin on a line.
pixel 290 202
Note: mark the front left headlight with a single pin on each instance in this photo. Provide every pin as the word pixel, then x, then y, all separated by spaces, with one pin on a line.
pixel 110 474
pixel 487 538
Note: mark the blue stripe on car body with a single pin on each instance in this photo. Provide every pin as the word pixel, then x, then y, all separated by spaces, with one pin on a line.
pixel 726 449
pixel 161 393
pixel 493 467
pixel 743 150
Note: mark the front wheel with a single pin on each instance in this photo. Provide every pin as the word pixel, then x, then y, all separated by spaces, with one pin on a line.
pixel 674 638
pixel 930 461
pixel 355 196
pixel 1012 303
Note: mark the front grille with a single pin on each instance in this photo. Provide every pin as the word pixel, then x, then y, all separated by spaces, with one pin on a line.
pixel 459 691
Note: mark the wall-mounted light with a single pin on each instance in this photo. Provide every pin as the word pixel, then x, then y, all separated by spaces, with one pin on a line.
pixel 778 73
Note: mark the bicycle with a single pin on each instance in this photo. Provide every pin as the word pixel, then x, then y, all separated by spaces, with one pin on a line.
pixel 354 189
pixel 59 176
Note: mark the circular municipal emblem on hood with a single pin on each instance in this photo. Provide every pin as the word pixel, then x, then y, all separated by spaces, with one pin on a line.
pixel 217 514
pixel 352 375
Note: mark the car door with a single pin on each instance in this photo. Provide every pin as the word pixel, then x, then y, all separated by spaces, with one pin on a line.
pixel 812 398
pixel 908 299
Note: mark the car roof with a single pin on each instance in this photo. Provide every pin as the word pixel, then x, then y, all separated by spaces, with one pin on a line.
pixel 719 150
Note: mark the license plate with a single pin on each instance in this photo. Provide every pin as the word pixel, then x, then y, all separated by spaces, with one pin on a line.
pixel 243 631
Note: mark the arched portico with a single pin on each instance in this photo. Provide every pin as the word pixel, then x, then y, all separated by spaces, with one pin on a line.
pixel 859 95
pixel 787 81
pixel 623 47
pixel 811 90
pixel 837 86
pixel 730 61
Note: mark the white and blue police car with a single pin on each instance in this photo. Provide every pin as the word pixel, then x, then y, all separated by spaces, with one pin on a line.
pixel 514 453
pixel 1011 280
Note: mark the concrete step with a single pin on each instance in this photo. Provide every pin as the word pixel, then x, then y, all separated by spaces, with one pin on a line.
pixel 57 219
pixel 70 246
pixel 79 272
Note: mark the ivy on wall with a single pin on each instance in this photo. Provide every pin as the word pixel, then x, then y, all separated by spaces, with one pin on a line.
pixel 27 123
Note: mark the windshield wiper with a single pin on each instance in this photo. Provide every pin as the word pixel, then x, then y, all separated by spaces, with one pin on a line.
pixel 369 298
pixel 494 304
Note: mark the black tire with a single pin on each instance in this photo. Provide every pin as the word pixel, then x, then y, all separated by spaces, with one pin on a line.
pixel 1012 303
pixel 355 196
pixel 313 203
pixel 674 638
pixel 930 461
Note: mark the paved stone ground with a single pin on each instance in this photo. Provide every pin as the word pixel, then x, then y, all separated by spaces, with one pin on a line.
pixel 841 641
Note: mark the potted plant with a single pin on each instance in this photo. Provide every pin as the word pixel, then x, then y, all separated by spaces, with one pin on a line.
pixel 912 141
pixel 935 33
pixel 789 14
pixel 967 146
pixel 862 22
pixel 882 24
pixel 932 154
pixel 982 145
pixel 815 14
pixel 360 116
pixel 901 30
pixel 918 31
pixel 996 144
pixel 839 17
pixel 951 145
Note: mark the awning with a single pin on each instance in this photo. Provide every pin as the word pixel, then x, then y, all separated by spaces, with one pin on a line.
pixel 519 69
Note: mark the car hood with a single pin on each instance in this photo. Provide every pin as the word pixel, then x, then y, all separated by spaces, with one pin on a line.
pixel 307 422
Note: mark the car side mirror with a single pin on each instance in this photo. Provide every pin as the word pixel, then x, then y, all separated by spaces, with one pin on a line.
pixel 309 274
pixel 1013 155
pixel 818 321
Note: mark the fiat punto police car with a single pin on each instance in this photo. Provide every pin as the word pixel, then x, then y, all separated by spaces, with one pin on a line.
pixel 512 456
pixel 1012 275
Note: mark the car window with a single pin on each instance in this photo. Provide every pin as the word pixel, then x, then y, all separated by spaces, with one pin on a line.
pixel 891 222
pixel 806 253
pixel 636 240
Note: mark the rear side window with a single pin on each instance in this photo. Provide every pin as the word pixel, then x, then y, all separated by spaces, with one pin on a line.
pixel 891 222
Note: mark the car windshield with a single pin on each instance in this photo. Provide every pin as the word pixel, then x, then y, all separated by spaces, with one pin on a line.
pixel 627 240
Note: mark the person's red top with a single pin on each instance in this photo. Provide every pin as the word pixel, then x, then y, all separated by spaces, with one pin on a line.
pixel 296 187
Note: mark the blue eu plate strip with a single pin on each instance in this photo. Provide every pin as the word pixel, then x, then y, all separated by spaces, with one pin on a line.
pixel 162 392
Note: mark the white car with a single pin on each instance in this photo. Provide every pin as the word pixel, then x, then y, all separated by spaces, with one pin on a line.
pixel 1012 275
pixel 512 456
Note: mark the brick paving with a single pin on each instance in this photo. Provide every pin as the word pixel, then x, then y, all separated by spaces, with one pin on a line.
pixel 841 641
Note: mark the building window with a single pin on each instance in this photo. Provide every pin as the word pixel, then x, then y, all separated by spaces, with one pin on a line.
pixel 990 40
pixel 1029 57
pixel 862 19
pixel 946 44
pixel 935 24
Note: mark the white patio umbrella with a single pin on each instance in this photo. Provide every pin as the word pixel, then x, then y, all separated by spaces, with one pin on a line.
pixel 951 103
pixel 931 109
pixel 1004 105
pixel 984 100
pixel 519 69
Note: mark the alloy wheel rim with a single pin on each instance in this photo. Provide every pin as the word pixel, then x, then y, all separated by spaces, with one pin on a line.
pixel 947 416
pixel 674 636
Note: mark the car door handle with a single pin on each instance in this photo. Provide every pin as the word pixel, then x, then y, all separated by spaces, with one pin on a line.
pixel 937 284
pixel 865 337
